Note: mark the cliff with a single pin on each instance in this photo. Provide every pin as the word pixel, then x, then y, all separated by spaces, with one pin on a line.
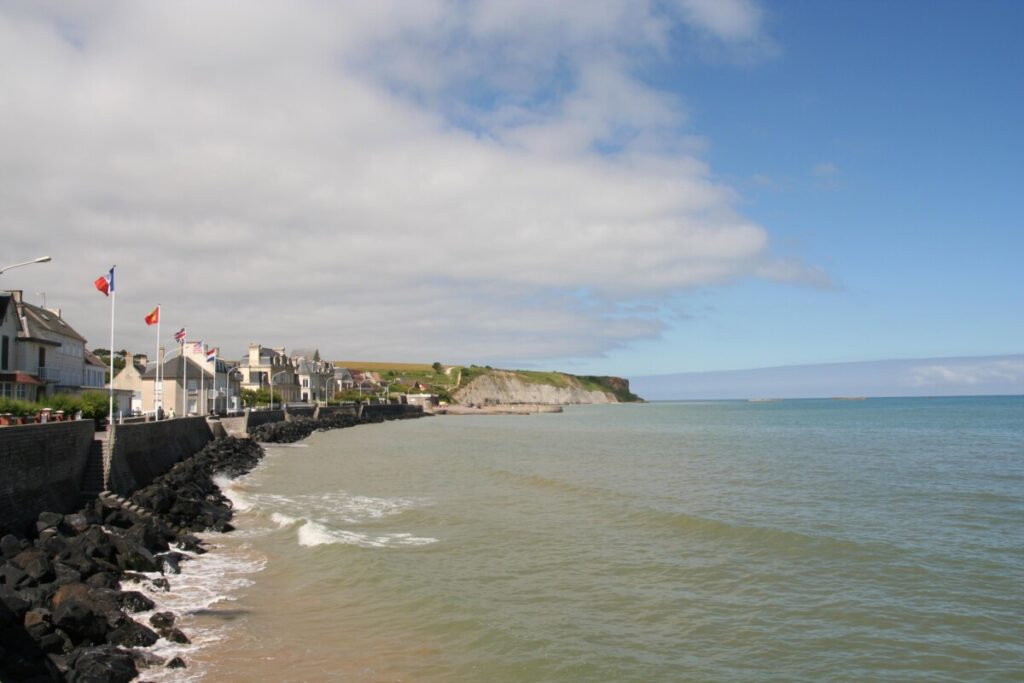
pixel 492 387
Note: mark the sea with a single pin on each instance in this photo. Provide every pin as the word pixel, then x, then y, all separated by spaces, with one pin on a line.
pixel 796 540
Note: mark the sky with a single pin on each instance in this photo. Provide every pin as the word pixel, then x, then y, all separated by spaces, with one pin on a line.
pixel 597 186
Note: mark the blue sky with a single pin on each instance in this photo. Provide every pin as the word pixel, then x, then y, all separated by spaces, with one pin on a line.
pixel 882 142
pixel 626 187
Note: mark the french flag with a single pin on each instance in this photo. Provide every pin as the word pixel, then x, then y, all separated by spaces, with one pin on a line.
pixel 105 283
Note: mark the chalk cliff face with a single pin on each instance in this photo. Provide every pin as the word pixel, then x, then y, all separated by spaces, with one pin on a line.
pixel 507 388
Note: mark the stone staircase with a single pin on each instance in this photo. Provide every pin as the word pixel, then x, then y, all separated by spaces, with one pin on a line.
pixel 93 482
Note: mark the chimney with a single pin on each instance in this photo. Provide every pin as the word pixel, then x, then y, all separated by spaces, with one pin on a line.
pixel 16 293
pixel 142 359
pixel 129 360
pixel 254 355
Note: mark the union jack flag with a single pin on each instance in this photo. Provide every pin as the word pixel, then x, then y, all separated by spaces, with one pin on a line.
pixel 179 336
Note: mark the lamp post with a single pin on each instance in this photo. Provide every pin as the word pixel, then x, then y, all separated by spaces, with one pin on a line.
pixel 227 387
pixel 41 259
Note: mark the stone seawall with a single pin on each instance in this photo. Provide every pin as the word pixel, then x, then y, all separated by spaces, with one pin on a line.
pixel 41 468
pixel 141 452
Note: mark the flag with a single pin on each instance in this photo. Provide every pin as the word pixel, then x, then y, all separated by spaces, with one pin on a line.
pixel 105 283
pixel 211 355
pixel 197 347
pixel 154 317
pixel 179 336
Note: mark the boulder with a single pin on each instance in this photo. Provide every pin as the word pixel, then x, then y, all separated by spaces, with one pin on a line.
pixel 36 564
pixel 162 620
pixel 130 633
pixel 134 601
pixel 84 613
pixel 103 664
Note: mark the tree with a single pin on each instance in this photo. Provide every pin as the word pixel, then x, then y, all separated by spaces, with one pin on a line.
pixel 438 368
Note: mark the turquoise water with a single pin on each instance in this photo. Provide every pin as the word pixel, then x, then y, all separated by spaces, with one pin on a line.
pixel 797 540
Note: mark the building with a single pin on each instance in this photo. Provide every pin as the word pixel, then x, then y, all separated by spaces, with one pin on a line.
pixel 343 380
pixel 264 368
pixel 129 382
pixel 180 386
pixel 315 375
pixel 14 382
pixel 224 394
pixel 41 354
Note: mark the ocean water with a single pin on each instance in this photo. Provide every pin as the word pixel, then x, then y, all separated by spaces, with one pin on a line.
pixel 876 540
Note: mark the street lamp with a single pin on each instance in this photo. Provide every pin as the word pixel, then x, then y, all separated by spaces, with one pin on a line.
pixel 227 388
pixel 41 259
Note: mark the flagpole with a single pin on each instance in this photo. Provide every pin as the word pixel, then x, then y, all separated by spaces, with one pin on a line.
pixel 202 386
pixel 157 388
pixel 184 381
pixel 113 298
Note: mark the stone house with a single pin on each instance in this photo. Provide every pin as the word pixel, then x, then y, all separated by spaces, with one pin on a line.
pixel 180 385
pixel 264 367
pixel 315 375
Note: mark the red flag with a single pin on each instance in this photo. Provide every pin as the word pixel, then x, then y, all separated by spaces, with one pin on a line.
pixel 105 283
pixel 154 317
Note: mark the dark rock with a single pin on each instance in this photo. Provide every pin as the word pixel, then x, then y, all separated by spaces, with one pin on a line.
pixel 48 520
pixel 21 658
pixel 176 663
pixel 36 564
pixel 132 556
pixel 66 574
pixel 103 664
pixel 162 584
pixel 14 602
pixel 10 546
pixel 38 596
pixel 131 633
pixel 191 543
pixel 13 577
pixel 76 522
pixel 171 562
pixel 84 613
pixel 38 622
pixel 102 580
pixel 146 533
pixel 175 636
pixel 134 601
pixel 55 642
pixel 162 620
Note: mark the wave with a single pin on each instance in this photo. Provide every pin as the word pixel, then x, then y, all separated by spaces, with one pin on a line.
pixel 312 534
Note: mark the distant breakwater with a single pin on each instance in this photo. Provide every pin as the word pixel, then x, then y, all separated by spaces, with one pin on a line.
pixel 66 589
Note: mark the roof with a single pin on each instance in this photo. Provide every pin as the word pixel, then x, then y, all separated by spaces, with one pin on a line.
pixel 308 354
pixel 40 320
pixel 92 359
pixel 172 369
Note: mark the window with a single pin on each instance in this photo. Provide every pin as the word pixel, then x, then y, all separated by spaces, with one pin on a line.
pixel 21 392
pixel 305 382
pixel 5 353
pixel 42 357
pixel 6 390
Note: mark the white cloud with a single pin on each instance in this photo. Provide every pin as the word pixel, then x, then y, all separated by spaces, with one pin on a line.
pixel 411 180
pixel 971 372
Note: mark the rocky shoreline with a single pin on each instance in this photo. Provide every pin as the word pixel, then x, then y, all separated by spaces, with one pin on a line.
pixel 66 595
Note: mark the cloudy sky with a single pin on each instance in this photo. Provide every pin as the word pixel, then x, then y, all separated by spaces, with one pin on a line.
pixel 611 186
